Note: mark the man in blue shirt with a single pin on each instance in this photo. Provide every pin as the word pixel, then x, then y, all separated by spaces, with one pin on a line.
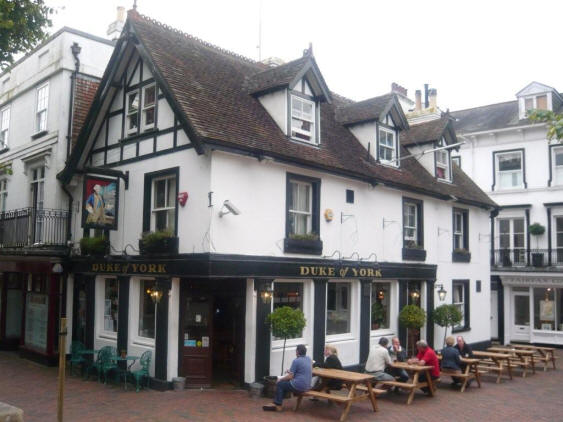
pixel 297 379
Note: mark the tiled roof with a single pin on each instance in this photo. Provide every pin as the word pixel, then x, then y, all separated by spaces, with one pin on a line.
pixel 429 131
pixel 362 111
pixel 276 76
pixel 209 85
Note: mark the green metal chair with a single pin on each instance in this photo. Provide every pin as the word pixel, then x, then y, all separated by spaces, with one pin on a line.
pixel 102 359
pixel 108 364
pixel 139 374
pixel 76 358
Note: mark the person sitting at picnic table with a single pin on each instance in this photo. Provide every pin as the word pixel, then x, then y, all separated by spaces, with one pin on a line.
pixel 451 360
pixel 464 350
pixel 397 354
pixel 331 362
pixel 297 379
pixel 426 357
pixel 378 360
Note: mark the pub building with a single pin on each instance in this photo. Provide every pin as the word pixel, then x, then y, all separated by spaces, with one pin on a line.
pixel 260 188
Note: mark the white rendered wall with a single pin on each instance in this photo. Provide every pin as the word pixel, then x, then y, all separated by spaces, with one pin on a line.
pixel 276 105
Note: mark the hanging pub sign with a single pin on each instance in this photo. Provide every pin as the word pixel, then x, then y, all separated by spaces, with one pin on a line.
pixel 100 202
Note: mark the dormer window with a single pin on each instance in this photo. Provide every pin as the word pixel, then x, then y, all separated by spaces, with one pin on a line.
pixel 442 157
pixel 536 102
pixel 302 119
pixel 387 151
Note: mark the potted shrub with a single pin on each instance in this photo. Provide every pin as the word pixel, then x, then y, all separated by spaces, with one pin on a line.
pixel 161 242
pixel 537 230
pixel 446 316
pixel 377 315
pixel 412 317
pixel 94 246
pixel 285 322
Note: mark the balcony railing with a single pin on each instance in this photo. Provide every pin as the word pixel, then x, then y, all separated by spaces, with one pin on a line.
pixel 32 227
pixel 521 257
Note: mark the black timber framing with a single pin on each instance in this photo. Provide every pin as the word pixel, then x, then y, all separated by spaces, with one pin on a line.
pixel 90 282
pixel 263 335
pixel 159 382
pixel 402 303
pixel 365 318
pixel 319 322
pixel 429 312
pixel 123 323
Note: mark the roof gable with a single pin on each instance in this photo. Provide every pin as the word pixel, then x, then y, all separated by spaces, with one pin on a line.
pixel 430 131
pixel 534 88
pixel 373 109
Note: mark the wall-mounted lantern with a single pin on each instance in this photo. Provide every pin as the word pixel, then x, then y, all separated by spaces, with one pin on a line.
pixel 441 292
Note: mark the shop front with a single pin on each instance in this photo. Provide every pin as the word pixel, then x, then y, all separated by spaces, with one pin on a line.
pixel 534 306
pixel 30 298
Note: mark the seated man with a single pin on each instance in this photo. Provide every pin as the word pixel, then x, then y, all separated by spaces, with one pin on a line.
pixel 297 379
pixel 398 354
pixel 426 357
pixel 451 360
pixel 464 350
pixel 378 359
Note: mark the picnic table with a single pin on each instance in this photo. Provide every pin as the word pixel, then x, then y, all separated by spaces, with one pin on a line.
pixel 542 353
pixel 471 372
pixel 352 380
pixel 522 358
pixel 493 361
pixel 416 381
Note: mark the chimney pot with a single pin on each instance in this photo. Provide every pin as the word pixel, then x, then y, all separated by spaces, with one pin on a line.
pixel 432 96
pixel 418 100
pixel 121 13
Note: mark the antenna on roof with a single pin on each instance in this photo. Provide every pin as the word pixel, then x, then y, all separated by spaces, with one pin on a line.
pixel 308 51
pixel 260 32
pixel 134 4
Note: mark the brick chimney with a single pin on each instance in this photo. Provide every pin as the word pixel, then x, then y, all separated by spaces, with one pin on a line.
pixel 398 89
pixel 432 97
pixel 115 28
pixel 418 100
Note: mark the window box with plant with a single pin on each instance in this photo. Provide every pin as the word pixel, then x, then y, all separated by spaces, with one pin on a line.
pixel 537 230
pixel 96 246
pixel 161 242
pixel 303 243
pixel 413 251
pixel 461 255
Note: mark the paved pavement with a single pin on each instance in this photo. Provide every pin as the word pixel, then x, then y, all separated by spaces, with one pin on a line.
pixel 33 388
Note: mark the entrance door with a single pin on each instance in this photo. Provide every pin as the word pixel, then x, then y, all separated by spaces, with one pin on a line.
pixel 494 314
pixel 79 311
pixel 197 357
pixel 13 305
pixel 521 316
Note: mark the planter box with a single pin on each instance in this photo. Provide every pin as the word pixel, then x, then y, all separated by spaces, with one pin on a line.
pixel 461 257
pixel 311 247
pixel 537 259
pixel 95 251
pixel 412 254
pixel 165 246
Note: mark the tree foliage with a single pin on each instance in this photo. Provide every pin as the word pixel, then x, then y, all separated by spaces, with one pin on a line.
pixel 447 316
pixel 22 26
pixel 412 316
pixel 553 120
pixel 285 323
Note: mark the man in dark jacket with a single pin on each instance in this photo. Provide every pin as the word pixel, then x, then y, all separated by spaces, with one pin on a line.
pixel 464 350
pixel 398 354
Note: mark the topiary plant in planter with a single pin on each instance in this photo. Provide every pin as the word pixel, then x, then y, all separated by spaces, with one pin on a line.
pixel 537 230
pixel 377 315
pixel 94 246
pixel 447 316
pixel 285 323
pixel 412 317
pixel 158 242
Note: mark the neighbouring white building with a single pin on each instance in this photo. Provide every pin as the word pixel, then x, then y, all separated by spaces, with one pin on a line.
pixel 44 98
pixel 274 191
pixel 510 158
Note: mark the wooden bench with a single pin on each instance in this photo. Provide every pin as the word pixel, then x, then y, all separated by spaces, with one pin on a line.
pixel 542 354
pixel 415 384
pixel 471 371
pixel 496 362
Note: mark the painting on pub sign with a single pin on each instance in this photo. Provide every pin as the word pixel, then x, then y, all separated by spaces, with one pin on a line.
pixel 100 203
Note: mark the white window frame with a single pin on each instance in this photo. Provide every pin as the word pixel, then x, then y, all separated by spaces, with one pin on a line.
pixel 556 168
pixel 443 162
pixel 385 146
pixel 42 112
pixel 558 258
pixel 300 116
pixel 145 108
pixel 4 127
pixel 460 304
pixel 499 172
pixel 129 114
pixel 521 258
pixel 136 313
pixel 167 207
pixel 459 234
pixel 307 311
pixel 337 303
pixel 408 206
pixel 309 213
pixel 101 332
pixel 3 194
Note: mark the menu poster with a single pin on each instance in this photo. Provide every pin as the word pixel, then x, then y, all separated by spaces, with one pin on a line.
pixel 546 310
pixel 205 341
pixel 36 320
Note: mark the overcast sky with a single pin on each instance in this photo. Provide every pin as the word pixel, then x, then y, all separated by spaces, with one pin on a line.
pixel 473 52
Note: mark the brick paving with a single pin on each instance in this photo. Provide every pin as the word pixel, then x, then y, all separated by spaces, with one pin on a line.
pixel 33 388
